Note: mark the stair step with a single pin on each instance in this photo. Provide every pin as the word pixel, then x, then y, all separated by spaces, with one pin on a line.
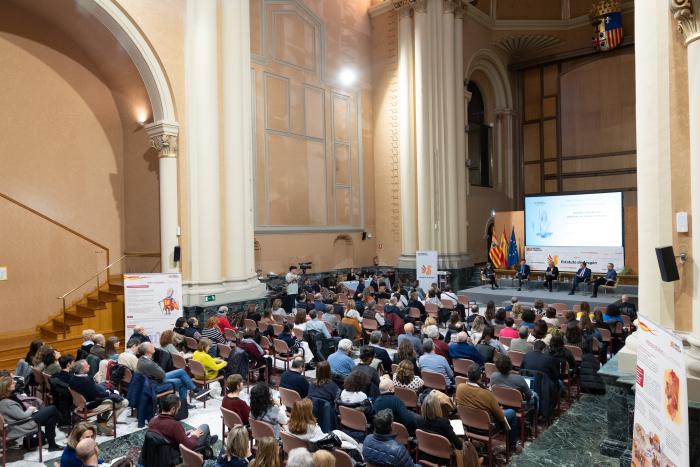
pixel 84 311
pixel 70 320
pixel 96 304
pixel 106 296
pixel 49 332
pixel 74 316
pixel 116 288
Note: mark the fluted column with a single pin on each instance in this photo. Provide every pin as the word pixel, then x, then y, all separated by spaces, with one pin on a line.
pixel 239 255
pixel 164 139
pixel 422 107
pixel 201 75
pixel 448 191
pixel 461 168
pixel 688 19
pixel 407 161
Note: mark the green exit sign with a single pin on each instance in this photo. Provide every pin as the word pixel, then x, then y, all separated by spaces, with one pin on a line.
pixel 210 298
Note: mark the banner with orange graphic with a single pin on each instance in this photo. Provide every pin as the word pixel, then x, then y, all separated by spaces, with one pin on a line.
pixel 426 268
pixel 153 301
pixel 660 434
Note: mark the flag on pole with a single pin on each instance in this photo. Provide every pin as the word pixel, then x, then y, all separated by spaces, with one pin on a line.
pixel 495 252
pixel 504 249
pixel 513 257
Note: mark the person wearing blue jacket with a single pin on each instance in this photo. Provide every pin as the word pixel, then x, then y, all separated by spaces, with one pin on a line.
pixel 381 448
pixel 388 400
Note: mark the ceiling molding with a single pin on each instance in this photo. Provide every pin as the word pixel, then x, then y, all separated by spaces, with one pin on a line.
pixel 380 8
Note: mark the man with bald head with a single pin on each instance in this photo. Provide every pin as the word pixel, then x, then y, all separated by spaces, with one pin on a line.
pixel 86 450
pixel 463 349
pixel 140 334
pixel 408 330
pixel 388 400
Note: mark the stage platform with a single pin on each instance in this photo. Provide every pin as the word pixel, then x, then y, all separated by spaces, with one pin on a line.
pixel 502 296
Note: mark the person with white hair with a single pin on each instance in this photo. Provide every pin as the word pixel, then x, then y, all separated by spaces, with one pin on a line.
pixel 300 457
pixel 463 349
pixel 408 330
pixel 99 347
pixel 440 346
pixel 140 334
pixel 388 400
pixel 341 361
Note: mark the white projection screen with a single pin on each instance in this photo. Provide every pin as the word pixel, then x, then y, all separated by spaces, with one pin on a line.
pixel 574 228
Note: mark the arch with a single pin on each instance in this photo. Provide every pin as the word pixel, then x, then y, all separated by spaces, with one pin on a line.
pixel 488 62
pixel 141 53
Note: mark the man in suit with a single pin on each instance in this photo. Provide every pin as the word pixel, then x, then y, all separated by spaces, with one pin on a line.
pixel 522 273
pixel 582 275
pixel 490 274
pixel 538 360
pixel 551 274
pixel 609 279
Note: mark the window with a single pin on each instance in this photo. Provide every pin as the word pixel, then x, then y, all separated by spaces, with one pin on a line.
pixel 479 136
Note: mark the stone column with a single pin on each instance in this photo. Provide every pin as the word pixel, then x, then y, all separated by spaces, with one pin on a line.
pixel 422 106
pixel 448 191
pixel 504 122
pixel 688 17
pixel 407 161
pixel 240 276
pixel 203 146
pixel 461 153
pixel 164 139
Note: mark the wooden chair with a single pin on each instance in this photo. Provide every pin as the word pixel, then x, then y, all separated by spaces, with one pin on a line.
pixel 612 287
pixel 250 325
pixel 369 325
pixel 560 307
pixel 505 340
pixel 179 361
pixel 262 327
pixel 84 413
pixel 259 430
pixel 477 427
pixel 434 380
pixel 289 442
pixel 460 379
pixel 298 333
pixel 277 329
pixel 48 398
pixel 229 419
pixel 278 319
pixel 342 459
pixel 288 397
pixel 570 380
pixel 461 366
pixel 191 458
pixel 433 445
pixel 576 351
pixel 199 376
pixel 39 387
pixel 607 338
pixel 4 426
pixel 223 350
pixel 511 398
pixel 626 322
pixel 464 300
pixel 282 354
pixel 191 343
pixel 401 433
pixel 516 358
pixel 408 397
pixel 353 419
pixel 489 369
pixel 431 310
pixel 230 335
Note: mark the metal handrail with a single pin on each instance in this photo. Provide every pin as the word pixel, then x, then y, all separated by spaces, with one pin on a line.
pixel 97 278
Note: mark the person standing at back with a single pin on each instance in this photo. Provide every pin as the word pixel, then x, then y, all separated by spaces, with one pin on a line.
pixel 292 280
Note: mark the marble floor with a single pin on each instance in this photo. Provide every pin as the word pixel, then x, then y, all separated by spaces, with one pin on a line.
pixel 572 440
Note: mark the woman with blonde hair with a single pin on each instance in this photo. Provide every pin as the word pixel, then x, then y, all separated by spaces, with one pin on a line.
pixel 236 451
pixel 323 458
pixel 277 309
pixel 81 430
pixel 303 425
pixel 267 454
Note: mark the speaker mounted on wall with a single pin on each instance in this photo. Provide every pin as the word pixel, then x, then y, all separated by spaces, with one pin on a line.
pixel 667 264
pixel 176 254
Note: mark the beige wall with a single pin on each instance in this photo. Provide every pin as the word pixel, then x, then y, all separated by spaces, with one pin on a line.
pixel 71 150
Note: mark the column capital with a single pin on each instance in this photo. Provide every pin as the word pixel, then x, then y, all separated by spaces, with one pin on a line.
pixel 461 8
pixel 420 6
pixel 449 6
pixel 163 136
pixel 503 111
pixel 403 7
pixel 684 12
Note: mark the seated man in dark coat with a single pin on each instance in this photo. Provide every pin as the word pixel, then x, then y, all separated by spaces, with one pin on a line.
pixel 381 447
pixel 294 380
pixel 388 400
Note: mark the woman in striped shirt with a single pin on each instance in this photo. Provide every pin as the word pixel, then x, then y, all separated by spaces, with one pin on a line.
pixel 211 331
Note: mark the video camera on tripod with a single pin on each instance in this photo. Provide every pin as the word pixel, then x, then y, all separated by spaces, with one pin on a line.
pixel 305 265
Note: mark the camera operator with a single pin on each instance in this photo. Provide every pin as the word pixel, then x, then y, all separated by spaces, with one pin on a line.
pixel 292 280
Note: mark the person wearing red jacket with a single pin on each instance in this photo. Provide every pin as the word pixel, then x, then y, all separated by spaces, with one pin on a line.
pixel 166 425
pixel 223 320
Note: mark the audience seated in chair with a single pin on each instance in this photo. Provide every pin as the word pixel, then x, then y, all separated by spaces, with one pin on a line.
pixel 388 400
pixel 267 453
pixel 430 361
pixel 236 450
pixel 265 408
pixel 294 379
pixel 232 400
pixel 165 424
pixel 381 447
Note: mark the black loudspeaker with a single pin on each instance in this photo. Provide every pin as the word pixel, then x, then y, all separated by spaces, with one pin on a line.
pixel 667 264
pixel 176 253
pixel 364 236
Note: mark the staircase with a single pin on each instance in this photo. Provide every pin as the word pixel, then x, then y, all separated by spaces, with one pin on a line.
pixel 100 309
pixel 91 311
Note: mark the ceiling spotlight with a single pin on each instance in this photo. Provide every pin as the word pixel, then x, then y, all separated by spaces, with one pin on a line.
pixel 347 76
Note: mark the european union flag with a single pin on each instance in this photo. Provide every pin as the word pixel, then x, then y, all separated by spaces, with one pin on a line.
pixel 513 250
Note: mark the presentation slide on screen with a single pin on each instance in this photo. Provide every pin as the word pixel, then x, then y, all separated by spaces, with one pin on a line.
pixel 588 220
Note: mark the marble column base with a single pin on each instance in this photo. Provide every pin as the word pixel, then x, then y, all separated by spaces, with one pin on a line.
pixel 619 387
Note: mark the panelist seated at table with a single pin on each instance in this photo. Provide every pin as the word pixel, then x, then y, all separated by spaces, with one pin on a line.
pixel 551 274
pixel 490 274
pixel 609 279
pixel 582 275
pixel 522 272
